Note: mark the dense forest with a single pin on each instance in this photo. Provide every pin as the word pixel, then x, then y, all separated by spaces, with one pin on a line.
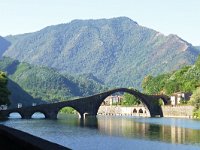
pixel 186 79
pixel 47 84
pixel 4 92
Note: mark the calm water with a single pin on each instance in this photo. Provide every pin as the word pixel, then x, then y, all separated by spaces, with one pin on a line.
pixel 119 133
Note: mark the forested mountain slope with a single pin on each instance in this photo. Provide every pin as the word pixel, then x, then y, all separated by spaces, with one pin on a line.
pixel 117 51
pixel 47 84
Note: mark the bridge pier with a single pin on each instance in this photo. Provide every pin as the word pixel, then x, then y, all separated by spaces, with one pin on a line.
pixel 26 116
pixel 51 115
pixel 85 115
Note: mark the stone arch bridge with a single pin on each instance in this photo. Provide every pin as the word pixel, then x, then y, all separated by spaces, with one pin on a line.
pixel 88 105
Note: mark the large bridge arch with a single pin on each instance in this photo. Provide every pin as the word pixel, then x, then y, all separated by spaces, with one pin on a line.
pixel 150 101
pixel 135 93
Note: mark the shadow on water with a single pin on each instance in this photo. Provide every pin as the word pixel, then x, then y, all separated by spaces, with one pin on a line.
pixel 74 120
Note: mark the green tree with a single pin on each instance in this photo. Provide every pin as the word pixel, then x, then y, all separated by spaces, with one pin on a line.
pixel 4 93
pixel 129 100
pixel 195 100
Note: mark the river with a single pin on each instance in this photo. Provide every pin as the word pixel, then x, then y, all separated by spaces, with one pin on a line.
pixel 114 132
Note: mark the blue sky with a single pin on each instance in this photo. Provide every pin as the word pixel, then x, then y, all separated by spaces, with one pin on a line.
pixel 181 17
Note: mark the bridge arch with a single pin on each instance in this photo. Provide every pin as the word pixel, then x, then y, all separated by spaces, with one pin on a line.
pixel 149 101
pixel 68 110
pixel 38 115
pixel 134 110
pixel 141 111
pixel 15 114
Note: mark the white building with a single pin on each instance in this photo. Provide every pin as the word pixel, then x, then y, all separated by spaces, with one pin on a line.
pixel 113 100
pixel 19 105
pixel 3 107
pixel 176 98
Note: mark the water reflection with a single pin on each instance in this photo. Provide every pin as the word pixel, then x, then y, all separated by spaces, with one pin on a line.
pixel 70 128
pixel 131 129
pixel 73 120
pixel 137 128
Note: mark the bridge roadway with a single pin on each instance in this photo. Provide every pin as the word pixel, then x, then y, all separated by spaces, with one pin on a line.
pixel 88 105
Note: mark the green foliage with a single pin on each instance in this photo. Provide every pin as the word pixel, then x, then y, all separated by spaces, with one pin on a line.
pixel 195 98
pixel 158 102
pixel 48 84
pixel 186 79
pixel 195 101
pixel 117 51
pixel 130 100
pixel 68 110
pixel 4 92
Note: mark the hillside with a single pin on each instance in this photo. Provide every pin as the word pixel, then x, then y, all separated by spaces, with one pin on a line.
pixel 4 44
pixel 18 95
pixel 47 84
pixel 118 51
pixel 186 79
pixel 197 47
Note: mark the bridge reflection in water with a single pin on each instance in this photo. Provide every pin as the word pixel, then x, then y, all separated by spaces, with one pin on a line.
pixel 170 130
pixel 131 127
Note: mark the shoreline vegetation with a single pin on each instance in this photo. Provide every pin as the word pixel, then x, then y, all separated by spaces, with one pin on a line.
pixel 186 79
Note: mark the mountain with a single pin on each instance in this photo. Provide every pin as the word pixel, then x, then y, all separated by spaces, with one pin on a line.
pixel 198 48
pixel 117 51
pixel 12 94
pixel 4 44
pixel 47 84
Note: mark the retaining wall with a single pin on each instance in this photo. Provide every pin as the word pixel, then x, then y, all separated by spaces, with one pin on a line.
pixel 178 111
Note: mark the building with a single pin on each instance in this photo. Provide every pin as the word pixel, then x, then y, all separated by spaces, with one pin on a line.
pixel 176 98
pixel 3 107
pixel 19 105
pixel 113 100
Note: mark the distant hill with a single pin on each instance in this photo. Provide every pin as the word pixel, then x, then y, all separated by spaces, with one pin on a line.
pixel 18 95
pixel 118 51
pixel 46 84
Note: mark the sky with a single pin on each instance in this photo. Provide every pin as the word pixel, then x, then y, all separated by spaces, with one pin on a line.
pixel 180 17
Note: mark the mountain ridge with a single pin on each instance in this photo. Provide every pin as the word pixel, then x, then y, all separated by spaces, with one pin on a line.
pixel 118 51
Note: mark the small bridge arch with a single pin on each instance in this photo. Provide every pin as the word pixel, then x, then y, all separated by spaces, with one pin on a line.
pixel 38 114
pixel 14 114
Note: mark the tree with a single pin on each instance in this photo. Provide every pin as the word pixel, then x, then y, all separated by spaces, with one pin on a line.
pixel 195 100
pixel 129 100
pixel 4 93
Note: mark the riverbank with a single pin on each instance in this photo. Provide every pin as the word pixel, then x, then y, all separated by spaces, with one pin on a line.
pixel 12 139
pixel 183 111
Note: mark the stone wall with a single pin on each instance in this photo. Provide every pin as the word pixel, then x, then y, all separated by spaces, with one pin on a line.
pixel 124 111
pixel 168 111
pixel 178 111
